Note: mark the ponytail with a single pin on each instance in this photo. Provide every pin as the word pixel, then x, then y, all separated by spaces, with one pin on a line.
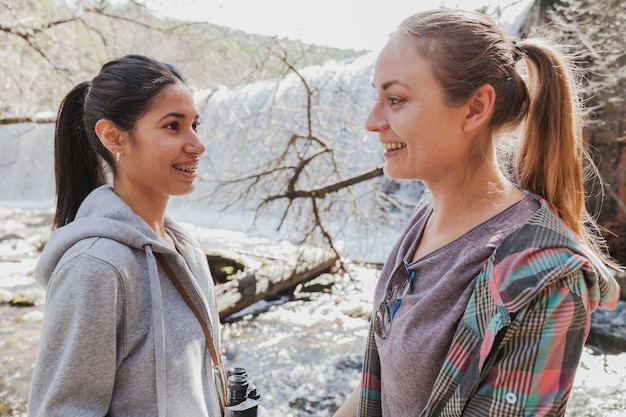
pixel 552 160
pixel 77 167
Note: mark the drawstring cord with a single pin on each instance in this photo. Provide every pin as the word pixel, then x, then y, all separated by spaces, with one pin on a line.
pixel 159 333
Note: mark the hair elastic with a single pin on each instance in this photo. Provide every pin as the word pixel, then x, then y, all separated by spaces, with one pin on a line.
pixel 518 52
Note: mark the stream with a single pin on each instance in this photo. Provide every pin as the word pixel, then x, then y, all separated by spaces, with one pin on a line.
pixel 303 350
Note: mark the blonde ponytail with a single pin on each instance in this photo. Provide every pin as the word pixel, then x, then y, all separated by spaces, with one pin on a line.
pixel 552 159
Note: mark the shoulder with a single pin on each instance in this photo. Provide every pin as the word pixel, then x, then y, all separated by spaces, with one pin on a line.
pixel 542 230
pixel 542 252
pixel 543 242
pixel 102 259
pixel 103 250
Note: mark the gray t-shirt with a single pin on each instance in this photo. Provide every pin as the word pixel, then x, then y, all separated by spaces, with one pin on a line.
pixel 422 329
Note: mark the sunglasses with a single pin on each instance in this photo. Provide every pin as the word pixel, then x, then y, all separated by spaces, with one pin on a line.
pixel 399 284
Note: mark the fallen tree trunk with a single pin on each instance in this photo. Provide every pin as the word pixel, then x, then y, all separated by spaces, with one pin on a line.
pixel 272 277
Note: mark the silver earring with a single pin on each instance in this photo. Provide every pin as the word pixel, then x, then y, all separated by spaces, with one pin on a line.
pixel 117 157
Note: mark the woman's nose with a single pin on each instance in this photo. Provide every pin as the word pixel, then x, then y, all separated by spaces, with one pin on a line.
pixel 195 144
pixel 375 120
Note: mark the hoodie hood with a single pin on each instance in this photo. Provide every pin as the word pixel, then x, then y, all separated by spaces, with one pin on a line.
pixel 542 252
pixel 102 214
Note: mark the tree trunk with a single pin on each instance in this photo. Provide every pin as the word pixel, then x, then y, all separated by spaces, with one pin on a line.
pixel 606 139
pixel 273 277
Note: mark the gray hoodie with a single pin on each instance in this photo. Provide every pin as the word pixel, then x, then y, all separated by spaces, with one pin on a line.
pixel 117 337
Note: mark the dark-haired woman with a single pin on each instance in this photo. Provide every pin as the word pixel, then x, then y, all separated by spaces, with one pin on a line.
pixel 118 339
pixel 483 306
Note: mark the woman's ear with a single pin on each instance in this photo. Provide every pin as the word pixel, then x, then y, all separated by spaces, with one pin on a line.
pixel 110 135
pixel 480 108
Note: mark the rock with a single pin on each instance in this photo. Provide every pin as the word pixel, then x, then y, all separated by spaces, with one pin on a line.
pixel 32 317
pixel 223 268
pixel 6 296
pixel 608 330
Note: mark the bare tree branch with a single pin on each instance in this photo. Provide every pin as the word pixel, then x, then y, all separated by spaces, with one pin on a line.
pixel 303 182
pixel 322 192
pixel 27 119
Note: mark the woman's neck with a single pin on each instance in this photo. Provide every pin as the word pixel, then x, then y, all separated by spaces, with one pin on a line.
pixel 457 210
pixel 150 210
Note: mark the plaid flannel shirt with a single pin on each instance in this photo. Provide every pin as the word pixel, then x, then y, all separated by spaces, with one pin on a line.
pixel 516 349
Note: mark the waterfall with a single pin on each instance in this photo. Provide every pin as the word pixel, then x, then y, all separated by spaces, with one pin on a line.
pixel 244 128
pixel 27 165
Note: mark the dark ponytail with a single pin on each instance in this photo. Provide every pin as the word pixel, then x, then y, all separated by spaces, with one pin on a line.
pixel 122 93
pixel 77 168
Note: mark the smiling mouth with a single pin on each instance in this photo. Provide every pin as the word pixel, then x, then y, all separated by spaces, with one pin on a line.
pixel 392 146
pixel 186 168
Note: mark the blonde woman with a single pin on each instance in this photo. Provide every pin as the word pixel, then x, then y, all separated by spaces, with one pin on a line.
pixel 483 306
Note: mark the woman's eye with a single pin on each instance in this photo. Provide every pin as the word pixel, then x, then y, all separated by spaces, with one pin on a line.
pixel 195 125
pixel 394 100
pixel 172 126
